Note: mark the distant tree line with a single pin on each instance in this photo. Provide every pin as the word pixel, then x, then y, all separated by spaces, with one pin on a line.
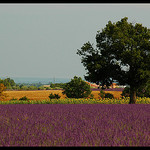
pixel 11 85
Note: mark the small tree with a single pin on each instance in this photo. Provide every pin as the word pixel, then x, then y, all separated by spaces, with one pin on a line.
pixel 77 88
pixel 54 96
pixel 24 98
pixel 102 94
pixel 109 95
pixel 52 85
pixel 2 89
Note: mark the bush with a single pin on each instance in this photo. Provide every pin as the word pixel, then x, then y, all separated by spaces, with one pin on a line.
pixel 91 96
pixel 48 88
pixel 41 88
pixel 24 98
pixel 54 96
pixel 126 92
pixel 77 88
pixel 102 94
pixel 109 95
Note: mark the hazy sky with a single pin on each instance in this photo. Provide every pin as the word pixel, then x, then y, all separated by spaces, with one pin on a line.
pixel 41 40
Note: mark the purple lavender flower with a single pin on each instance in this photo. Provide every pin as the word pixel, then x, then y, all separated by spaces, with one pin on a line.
pixel 74 125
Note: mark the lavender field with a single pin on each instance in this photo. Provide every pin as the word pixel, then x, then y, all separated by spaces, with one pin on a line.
pixel 75 125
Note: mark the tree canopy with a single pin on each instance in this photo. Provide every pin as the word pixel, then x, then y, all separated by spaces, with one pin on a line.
pixel 77 88
pixel 9 83
pixel 122 53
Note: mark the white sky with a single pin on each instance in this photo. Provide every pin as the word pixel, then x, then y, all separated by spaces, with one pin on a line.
pixel 41 40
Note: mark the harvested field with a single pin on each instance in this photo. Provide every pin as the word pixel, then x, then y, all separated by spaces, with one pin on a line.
pixel 116 94
pixel 43 94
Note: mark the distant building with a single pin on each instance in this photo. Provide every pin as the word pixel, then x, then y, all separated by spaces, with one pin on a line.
pixel 122 86
pixel 92 85
pixel 113 85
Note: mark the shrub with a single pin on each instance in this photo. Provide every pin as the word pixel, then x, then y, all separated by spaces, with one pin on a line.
pixel 54 96
pixel 102 94
pixel 109 95
pixel 91 96
pixel 52 85
pixel 77 88
pixel 126 92
pixel 48 88
pixel 24 98
pixel 41 88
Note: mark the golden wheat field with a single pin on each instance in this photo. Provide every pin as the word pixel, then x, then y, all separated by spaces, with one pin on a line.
pixel 43 94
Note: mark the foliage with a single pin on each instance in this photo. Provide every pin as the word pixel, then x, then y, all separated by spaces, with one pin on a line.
pixel 41 88
pixel 2 89
pixel 102 94
pixel 54 96
pixel 122 53
pixel 32 87
pixel 23 87
pixel 126 92
pixel 16 87
pixel 57 85
pixel 47 88
pixel 52 85
pixel 77 88
pixel 8 83
pixel 91 96
pixel 11 85
pixel 30 84
pixel 24 98
pixel 109 95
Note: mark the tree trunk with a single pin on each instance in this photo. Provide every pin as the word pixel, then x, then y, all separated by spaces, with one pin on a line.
pixel 132 96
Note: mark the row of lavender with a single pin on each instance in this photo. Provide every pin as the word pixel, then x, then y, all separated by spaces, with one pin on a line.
pixel 75 125
pixel 96 89
pixel 111 89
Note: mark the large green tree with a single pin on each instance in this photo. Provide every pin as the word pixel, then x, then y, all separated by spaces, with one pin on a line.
pixel 122 53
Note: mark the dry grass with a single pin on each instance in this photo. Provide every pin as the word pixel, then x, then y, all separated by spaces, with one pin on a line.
pixel 33 95
pixel 43 94
pixel 116 94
